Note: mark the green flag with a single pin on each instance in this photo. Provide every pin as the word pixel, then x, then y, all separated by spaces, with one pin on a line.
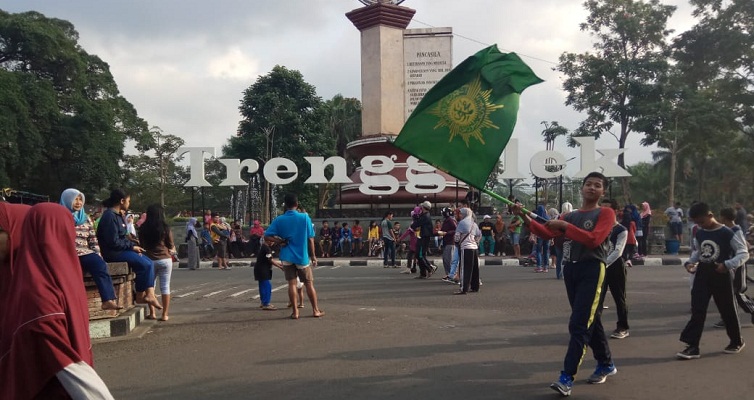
pixel 462 125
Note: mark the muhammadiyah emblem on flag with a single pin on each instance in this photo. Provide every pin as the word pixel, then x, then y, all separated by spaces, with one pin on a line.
pixel 476 101
pixel 466 112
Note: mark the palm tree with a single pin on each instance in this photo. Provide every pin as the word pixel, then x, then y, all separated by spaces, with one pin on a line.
pixel 551 132
pixel 344 123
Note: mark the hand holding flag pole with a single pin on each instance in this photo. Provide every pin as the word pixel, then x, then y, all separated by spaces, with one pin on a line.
pixel 472 109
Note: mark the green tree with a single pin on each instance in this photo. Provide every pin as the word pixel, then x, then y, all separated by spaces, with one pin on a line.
pixel 64 123
pixel 156 164
pixel 283 117
pixel 717 57
pixel 343 121
pixel 630 50
pixel 719 51
pixel 343 116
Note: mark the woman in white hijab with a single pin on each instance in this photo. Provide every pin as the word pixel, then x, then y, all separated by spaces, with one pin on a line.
pixel 467 237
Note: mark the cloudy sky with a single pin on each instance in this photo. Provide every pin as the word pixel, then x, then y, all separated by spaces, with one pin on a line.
pixel 184 64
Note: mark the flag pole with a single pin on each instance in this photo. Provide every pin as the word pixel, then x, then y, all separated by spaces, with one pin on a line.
pixel 510 203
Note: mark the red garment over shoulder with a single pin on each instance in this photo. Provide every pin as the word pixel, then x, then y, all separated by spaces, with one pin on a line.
pixel 46 327
pixel 11 219
pixel 631 233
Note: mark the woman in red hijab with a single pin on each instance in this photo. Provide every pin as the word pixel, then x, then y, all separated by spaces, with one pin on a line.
pixel 11 219
pixel 46 350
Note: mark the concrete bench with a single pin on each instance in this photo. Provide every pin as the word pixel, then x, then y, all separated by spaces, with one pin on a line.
pixel 123 279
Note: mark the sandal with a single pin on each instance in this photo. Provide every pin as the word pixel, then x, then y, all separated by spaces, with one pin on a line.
pixel 294 316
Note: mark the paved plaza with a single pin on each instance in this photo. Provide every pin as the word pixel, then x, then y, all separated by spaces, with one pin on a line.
pixel 388 336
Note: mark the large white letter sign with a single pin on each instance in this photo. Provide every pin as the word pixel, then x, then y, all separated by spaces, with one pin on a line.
pixel 422 177
pixel 510 166
pixel 318 165
pixel 538 164
pixel 277 166
pixel 196 163
pixel 371 183
pixel 588 164
pixel 233 168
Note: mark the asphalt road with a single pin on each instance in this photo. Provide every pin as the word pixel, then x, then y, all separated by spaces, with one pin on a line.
pixel 387 336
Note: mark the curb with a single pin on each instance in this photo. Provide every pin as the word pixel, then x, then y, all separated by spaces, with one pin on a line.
pixel 375 262
pixel 121 325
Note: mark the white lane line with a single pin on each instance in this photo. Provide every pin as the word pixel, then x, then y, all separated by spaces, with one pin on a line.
pixel 336 267
pixel 187 294
pixel 213 293
pixel 274 290
pixel 240 293
pixel 192 287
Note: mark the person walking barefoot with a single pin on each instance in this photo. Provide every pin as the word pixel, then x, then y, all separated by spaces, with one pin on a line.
pixel 295 233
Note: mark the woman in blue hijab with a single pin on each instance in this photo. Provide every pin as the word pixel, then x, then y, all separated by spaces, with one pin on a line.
pixel 87 248
pixel 543 246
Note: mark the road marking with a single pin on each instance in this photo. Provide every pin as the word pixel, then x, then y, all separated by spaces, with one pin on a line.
pixel 187 294
pixel 274 290
pixel 336 267
pixel 214 293
pixel 191 287
pixel 240 293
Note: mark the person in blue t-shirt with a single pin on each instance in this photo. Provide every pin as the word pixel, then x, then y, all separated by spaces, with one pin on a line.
pixel 346 237
pixel 295 233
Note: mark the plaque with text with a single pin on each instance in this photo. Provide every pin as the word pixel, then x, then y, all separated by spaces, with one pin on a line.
pixel 428 56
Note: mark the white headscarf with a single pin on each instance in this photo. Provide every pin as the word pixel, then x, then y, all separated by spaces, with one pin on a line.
pixel 467 230
pixel 130 228
pixel 191 228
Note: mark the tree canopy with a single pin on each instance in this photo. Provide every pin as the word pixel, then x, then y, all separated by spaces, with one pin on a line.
pixel 63 122
pixel 282 116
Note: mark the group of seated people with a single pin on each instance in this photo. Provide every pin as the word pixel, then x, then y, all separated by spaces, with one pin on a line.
pixel 342 239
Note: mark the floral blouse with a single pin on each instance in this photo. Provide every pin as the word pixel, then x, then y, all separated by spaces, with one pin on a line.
pixel 86 239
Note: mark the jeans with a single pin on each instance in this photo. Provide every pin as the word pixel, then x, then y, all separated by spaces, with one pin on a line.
pixel 140 264
pixel 343 248
pixel 487 247
pixel 543 252
pixel 454 263
pixel 163 269
pixel 388 252
pixel 447 257
pixel 265 292
pixel 97 268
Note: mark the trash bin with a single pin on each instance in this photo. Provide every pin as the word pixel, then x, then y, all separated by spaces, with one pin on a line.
pixel 672 246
